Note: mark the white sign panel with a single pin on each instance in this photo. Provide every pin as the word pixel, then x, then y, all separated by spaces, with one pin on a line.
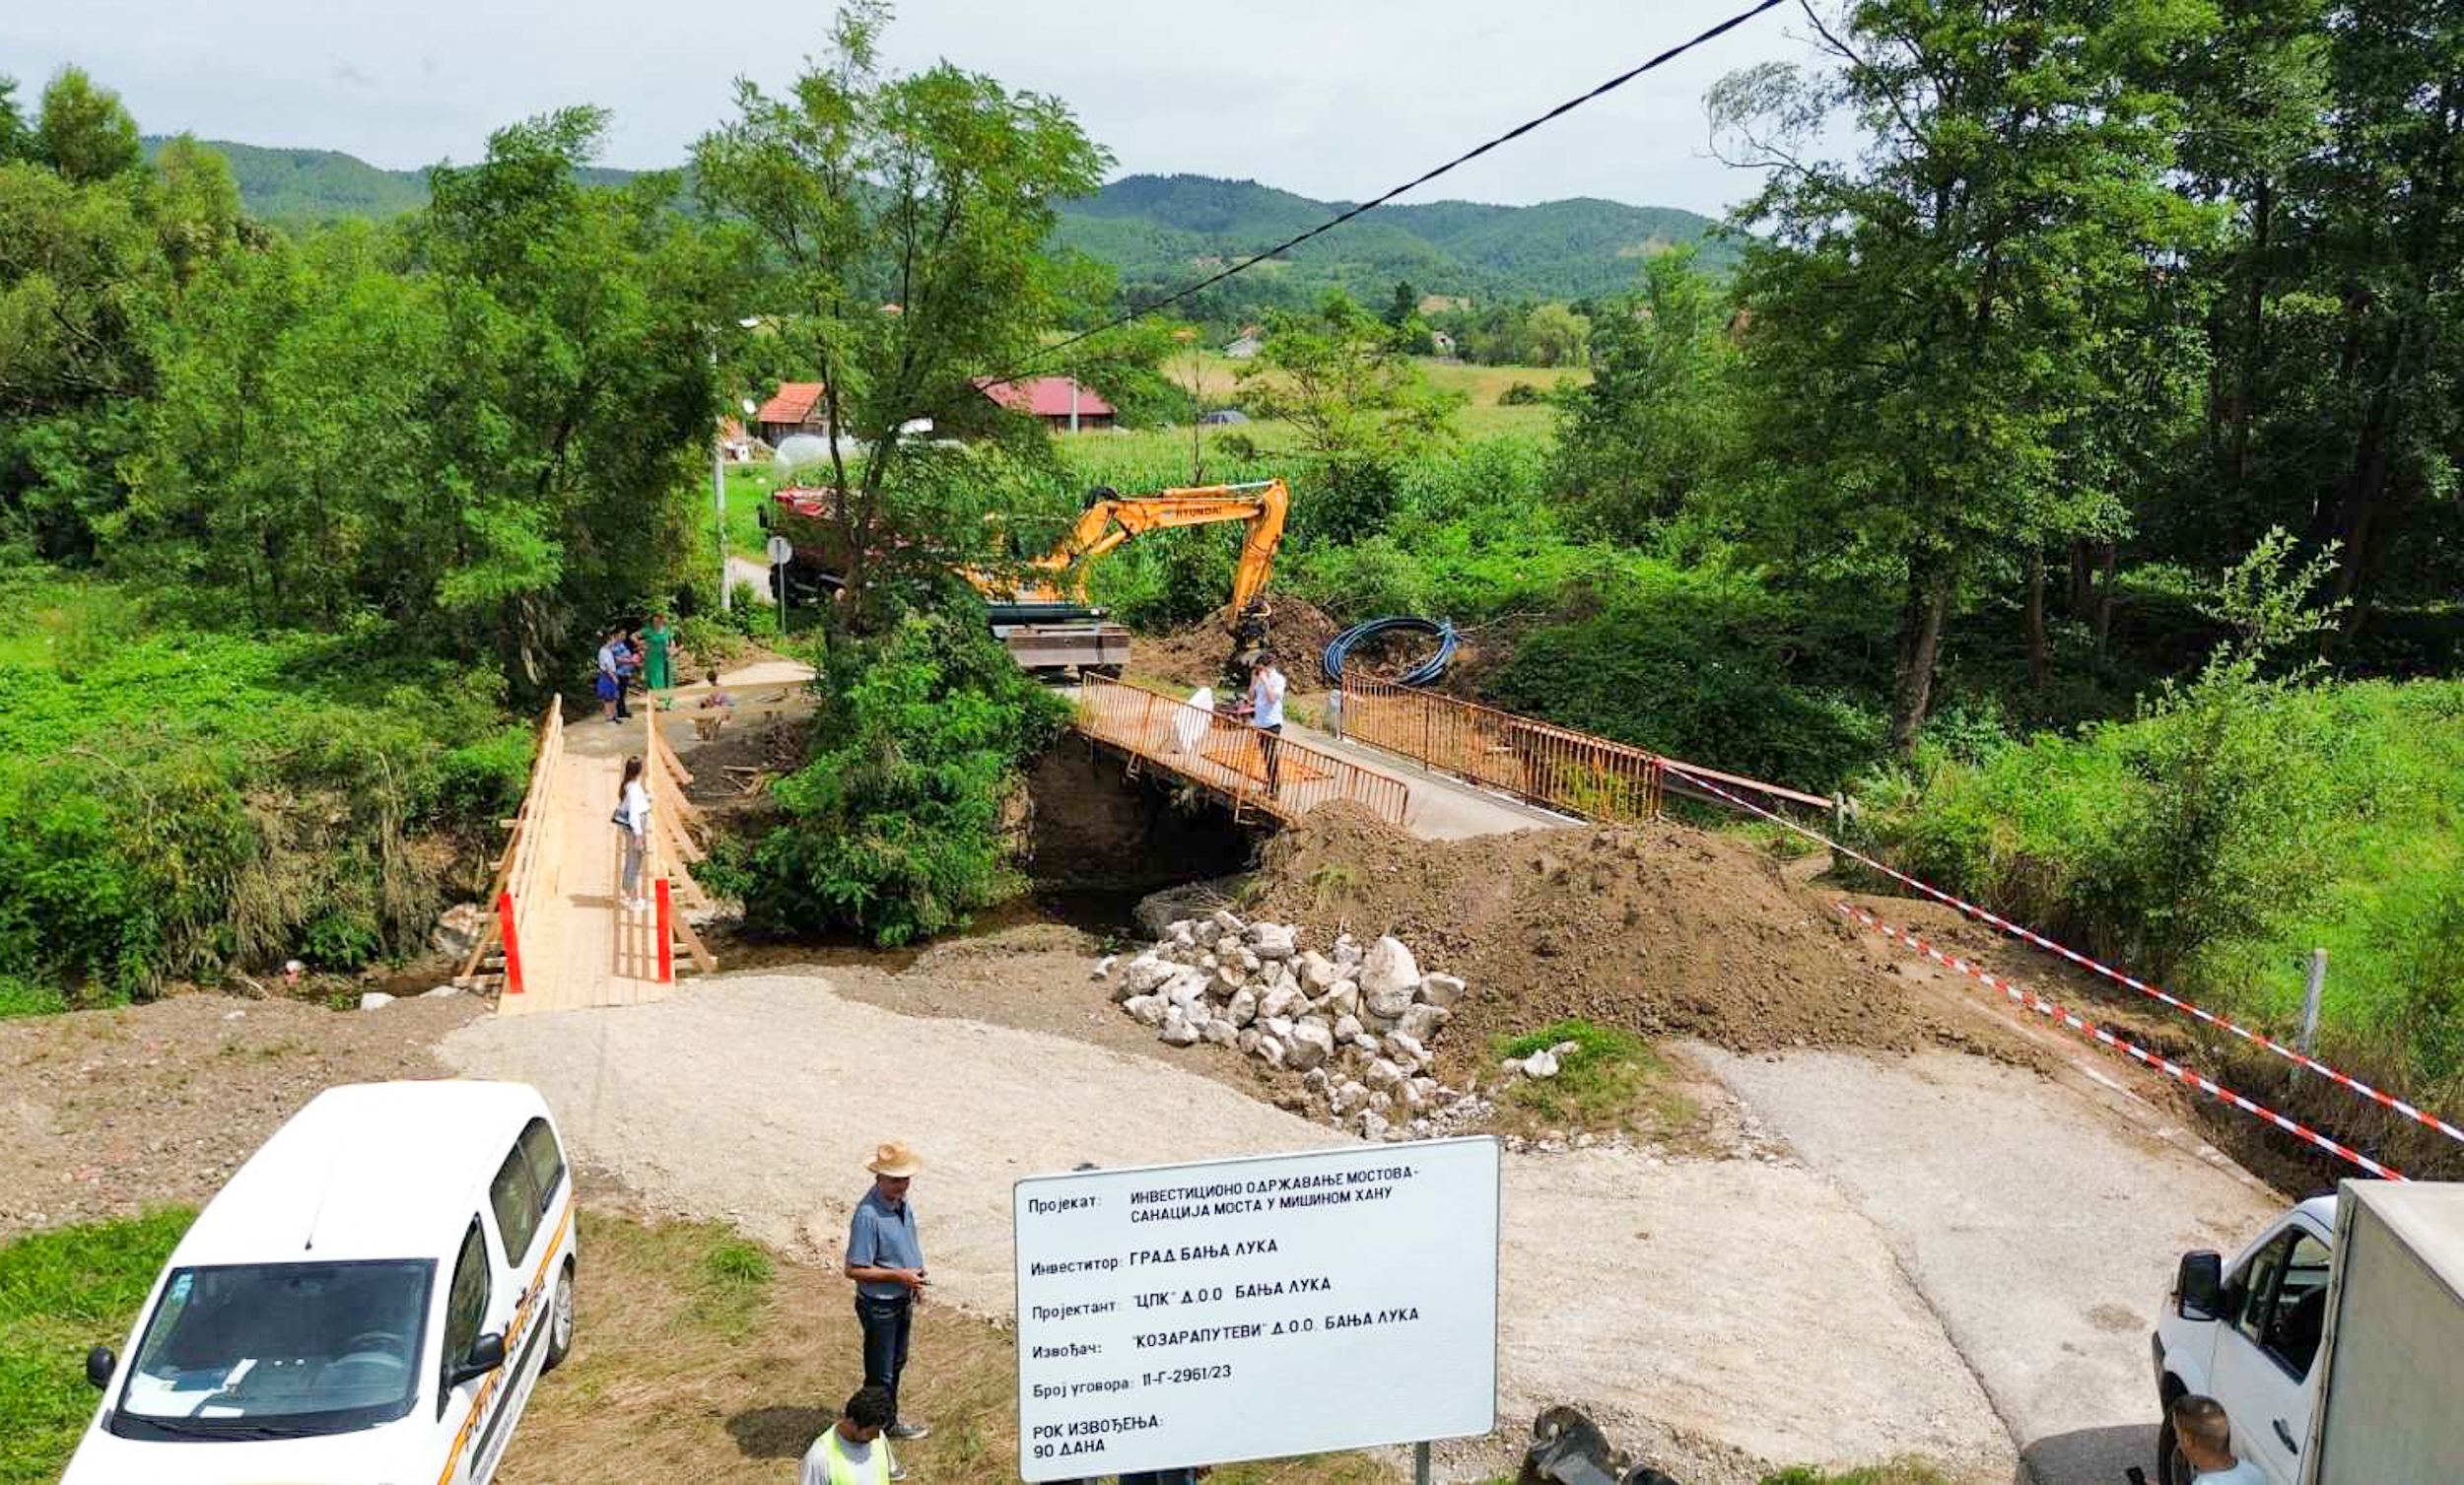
pixel 1243 1309
pixel 780 548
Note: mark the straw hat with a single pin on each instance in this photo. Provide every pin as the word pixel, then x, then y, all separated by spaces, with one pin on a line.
pixel 893 1160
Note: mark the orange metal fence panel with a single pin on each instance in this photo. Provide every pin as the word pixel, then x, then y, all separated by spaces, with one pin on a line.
pixel 1273 776
pixel 1549 765
pixel 1558 767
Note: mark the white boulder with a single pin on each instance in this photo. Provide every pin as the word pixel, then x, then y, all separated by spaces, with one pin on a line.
pixel 1441 990
pixel 1347 1028
pixel 1343 997
pixel 1219 1032
pixel 1273 940
pixel 1420 1022
pixel 1317 972
pixel 1280 1002
pixel 1177 1031
pixel 1388 966
pixel 1244 1007
pixel 1269 1050
pixel 1540 1064
pixel 1310 1043
pixel 371 1000
pixel 1147 1008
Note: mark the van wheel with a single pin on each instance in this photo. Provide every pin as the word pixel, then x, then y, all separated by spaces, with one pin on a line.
pixel 560 1318
pixel 2172 1467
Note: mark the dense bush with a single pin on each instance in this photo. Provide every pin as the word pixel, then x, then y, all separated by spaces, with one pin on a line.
pixel 893 827
pixel 1700 665
pixel 2215 840
pixel 179 801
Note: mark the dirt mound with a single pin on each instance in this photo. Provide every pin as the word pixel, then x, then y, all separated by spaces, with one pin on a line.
pixel 1193 655
pixel 1661 930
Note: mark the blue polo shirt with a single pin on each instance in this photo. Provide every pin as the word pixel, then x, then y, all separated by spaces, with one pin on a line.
pixel 881 1236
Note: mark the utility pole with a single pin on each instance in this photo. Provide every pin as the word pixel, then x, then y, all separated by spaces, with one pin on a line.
pixel 719 486
pixel 1074 404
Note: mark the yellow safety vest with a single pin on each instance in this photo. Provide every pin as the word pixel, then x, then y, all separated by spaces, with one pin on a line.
pixel 845 1472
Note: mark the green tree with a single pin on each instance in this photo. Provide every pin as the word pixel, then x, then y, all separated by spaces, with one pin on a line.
pixel 83 285
pixel 1914 340
pixel 16 140
pixel 1358 407
pixel 483 426
pixel 931 192
pixel 198 210
pixel 893 827
pixel 1559 336
pixel 1402 305
pixel 1658 420
pixel 83 131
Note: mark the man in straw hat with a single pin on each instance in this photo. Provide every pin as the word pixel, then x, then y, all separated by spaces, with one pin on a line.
pixel 885 1259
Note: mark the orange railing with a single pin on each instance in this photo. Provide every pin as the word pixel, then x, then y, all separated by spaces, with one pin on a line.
pixel 514 890
pixel 1230 756
pixel 1549 765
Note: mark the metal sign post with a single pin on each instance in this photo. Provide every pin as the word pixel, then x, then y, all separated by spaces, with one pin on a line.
pixel 781 551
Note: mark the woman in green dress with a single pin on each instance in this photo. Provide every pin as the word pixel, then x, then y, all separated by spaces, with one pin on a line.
pixel 656 673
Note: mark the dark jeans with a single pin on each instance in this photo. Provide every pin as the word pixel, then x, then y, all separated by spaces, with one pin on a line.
pixel 1269 740
pixel 886 1323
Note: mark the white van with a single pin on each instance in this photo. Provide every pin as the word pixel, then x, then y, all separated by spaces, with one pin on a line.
pixel 369 1299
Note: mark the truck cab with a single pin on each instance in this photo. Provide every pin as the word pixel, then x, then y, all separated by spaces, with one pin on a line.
pixel 2247 1334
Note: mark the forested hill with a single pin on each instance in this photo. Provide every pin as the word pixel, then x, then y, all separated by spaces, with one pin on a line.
pixel 1162 230
pixel 296 187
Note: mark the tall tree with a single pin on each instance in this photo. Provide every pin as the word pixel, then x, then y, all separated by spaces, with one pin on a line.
pixel 16 140
pixel 1359 408
pixel 1657 421
pixel 84 133
pixel 198 208
pixel 907 217
pixel 1913 343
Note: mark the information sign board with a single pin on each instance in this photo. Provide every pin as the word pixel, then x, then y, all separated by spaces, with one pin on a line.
pixel 1245 1308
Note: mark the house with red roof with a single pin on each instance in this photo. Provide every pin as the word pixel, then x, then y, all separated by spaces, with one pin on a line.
pixel 795 408
pixel 1059 400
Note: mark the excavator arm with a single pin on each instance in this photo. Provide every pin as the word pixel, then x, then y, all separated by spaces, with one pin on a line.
pixel 1107 523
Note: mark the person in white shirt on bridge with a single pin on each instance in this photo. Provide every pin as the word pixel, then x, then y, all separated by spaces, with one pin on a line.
pixel 633 829
pixel 1266 713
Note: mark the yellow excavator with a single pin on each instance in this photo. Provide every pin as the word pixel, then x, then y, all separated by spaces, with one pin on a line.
pixel 1045 621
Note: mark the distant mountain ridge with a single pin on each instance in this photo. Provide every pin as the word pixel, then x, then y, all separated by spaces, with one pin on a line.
pixel 1160 232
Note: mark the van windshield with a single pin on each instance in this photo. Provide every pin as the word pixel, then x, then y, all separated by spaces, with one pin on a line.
pixel 278 1350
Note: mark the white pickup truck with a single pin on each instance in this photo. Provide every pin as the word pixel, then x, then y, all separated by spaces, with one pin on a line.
pixel 2335 1341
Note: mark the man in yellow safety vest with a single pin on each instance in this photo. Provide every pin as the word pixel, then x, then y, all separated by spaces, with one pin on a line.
pixel 852 1451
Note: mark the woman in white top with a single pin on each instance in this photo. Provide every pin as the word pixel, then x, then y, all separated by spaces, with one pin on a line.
pixel 632 827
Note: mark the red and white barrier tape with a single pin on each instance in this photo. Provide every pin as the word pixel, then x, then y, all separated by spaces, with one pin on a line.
pixel 2290 1054
pixel 2170 1069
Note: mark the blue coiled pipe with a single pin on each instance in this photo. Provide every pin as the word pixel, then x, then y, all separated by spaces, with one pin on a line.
pixel 1421 674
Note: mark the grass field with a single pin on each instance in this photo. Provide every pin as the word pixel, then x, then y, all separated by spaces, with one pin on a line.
pixel 62 1293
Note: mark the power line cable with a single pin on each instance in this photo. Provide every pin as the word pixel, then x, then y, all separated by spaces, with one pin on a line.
pixel 1474 152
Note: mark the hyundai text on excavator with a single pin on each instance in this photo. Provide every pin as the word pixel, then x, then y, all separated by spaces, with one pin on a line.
pixel 1045 619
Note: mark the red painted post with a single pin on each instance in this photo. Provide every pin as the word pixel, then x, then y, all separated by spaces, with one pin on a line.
pixel 512 948
pixel 666 934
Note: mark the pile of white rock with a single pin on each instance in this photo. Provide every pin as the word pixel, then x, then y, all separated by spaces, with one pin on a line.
pixel 1358 1025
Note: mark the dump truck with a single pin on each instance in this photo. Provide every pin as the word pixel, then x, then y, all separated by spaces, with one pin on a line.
pixel 2335 1341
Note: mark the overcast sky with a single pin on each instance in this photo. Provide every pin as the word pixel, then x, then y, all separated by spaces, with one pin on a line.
pixel 1332 99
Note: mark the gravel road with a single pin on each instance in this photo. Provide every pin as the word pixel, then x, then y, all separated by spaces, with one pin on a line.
pixel 1719 1313
pixel 2043 1242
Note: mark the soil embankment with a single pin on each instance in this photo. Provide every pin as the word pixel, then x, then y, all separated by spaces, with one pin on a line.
pixel 1659 929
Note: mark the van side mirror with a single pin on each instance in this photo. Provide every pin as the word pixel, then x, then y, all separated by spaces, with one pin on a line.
pixel 100 1365
pixel 2199 1286
pixel 487 1353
